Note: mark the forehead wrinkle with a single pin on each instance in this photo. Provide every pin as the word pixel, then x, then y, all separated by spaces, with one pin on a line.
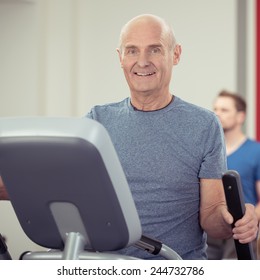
pixel 144 43
pixel 139 24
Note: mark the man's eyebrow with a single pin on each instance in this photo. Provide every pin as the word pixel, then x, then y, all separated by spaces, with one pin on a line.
pixel 130 46
pixel 155 46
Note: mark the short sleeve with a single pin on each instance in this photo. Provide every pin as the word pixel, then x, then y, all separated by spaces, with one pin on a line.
pixel 214 162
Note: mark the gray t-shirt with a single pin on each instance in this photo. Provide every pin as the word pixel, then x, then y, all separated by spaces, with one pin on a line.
pixel 164 153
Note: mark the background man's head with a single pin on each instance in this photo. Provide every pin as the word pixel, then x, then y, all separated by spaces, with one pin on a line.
pixel 231 110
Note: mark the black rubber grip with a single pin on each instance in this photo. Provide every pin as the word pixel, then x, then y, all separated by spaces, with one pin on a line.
pixel 236 206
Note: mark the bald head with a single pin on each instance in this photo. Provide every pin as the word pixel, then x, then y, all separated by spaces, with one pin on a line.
pixel 148 20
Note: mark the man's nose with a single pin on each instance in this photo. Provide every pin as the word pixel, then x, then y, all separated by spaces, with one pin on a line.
pixel 143 59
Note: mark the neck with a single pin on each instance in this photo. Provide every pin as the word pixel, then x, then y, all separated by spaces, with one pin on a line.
pixel 150 103
pixel 234 139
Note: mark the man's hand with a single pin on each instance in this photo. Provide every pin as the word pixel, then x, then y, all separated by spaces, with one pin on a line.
pixel 245 229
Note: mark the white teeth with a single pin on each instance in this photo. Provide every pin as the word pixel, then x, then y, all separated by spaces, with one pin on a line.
pixel 144 74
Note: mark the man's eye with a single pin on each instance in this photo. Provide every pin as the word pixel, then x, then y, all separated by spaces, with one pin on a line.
pixel 155 51
pixel 131 52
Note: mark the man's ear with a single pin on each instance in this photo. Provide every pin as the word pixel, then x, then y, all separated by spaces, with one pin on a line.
pixel 241 117
pixel 120 56
pixel 176 54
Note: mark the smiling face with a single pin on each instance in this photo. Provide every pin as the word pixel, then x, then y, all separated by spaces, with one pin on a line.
pixel 147 56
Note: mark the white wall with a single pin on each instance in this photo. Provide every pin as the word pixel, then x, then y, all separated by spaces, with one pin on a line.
pixel 251 69
pixel 19 58
pixel 58 57
pixel 205 28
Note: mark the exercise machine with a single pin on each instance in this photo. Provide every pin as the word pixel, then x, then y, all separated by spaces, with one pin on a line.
pixel 69 191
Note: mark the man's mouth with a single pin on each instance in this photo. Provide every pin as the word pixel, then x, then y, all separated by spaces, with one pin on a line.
pixel 144 74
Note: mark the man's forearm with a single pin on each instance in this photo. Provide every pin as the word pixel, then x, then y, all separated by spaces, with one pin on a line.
pixel 213 223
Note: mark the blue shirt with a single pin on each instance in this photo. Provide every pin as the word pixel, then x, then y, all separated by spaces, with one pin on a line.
pixel 246 161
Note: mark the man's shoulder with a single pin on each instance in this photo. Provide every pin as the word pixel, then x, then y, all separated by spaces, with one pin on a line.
pixel 253 144
pixel 112 105
pixel 195 111
pixel 192 106
pixel 99 110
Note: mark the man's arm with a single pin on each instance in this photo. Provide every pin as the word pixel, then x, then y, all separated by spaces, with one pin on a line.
pixel 215 218
pixel 3 192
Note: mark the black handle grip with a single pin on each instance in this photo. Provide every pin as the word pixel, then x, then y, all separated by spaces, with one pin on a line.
pixel 236 206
